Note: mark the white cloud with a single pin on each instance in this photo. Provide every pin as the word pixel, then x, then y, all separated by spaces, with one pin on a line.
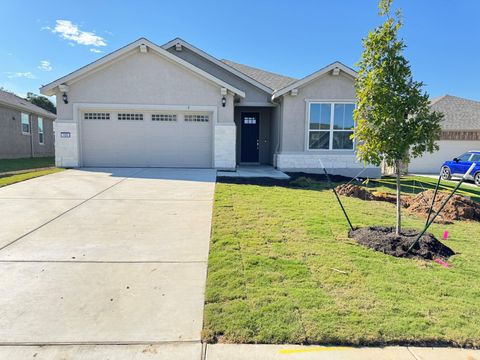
pixel 69 31
pixel 96 51
pixel 13 75
pixel 45 65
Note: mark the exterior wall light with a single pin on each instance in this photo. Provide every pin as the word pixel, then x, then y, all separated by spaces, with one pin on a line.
pixel 224 101
pixel 65 98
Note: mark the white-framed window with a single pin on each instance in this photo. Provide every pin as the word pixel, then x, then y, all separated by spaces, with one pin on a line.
pixel 25 118
pixel 164 117
pixel 196 118
pixel 330 125
pixel 96 116
pixel 41 136
pixel 128 116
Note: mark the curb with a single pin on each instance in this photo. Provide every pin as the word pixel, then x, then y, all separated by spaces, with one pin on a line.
pixel 16 172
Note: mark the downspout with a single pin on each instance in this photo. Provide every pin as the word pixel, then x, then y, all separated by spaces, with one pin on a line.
pixel 30 120
pixel 279 132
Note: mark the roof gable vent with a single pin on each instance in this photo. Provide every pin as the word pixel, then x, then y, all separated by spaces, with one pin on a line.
pixel 336 71
pixel 178 47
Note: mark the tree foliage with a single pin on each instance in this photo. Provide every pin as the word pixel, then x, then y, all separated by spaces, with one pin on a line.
pixel 394 121
pixel 42 102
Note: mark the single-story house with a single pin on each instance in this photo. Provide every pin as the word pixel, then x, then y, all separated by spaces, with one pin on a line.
pixel 177 106
pixel 460 133
pixel 26 130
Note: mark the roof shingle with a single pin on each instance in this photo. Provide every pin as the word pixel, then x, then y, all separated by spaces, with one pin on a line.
pixel 7 98
pixel 267 78
pixel 459 113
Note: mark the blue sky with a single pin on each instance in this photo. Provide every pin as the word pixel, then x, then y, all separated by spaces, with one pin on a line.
pixel 42 41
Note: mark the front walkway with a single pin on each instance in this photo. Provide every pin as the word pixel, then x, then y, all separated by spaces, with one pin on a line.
pixel 95 257
pixel 255 171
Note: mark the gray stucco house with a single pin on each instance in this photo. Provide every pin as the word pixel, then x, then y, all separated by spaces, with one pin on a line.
pixel 177 106
pixel 460 133
pixel 26 130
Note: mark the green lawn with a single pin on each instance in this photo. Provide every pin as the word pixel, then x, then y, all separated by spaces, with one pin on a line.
pixel 12 179
pixel 271 276
pixel 26 163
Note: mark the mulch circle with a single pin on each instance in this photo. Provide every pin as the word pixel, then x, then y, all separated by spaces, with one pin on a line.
pixel 385 240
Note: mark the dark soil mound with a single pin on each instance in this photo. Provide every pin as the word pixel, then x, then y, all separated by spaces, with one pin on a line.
pixel 297 180
pixel 385 240
pixel 354 191
pixel 458 207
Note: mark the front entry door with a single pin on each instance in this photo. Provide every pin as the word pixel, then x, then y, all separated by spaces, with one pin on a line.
pixel 250 137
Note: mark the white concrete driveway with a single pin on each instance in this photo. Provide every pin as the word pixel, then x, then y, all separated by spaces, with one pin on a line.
pixel 92 259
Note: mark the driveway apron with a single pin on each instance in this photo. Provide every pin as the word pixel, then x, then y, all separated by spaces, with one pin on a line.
pixel 93 258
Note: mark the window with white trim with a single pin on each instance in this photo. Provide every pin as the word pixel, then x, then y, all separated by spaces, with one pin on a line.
pixel 196 118
pixel 96 116
pixel 127 116
pixel 41 136
pixel 25 118
pixel 330 126
pixel 164 117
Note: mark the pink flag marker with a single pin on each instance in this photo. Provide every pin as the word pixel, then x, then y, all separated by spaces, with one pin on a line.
pixel 441 262
pixel 445 235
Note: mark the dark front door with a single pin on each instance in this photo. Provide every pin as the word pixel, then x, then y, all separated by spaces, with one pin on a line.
pixel 250 137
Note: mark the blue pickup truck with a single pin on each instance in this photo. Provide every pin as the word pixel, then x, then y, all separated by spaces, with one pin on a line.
pixel 460 165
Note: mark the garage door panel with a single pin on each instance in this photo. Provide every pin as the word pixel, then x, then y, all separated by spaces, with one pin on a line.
pixel 431 163
pixel 146 142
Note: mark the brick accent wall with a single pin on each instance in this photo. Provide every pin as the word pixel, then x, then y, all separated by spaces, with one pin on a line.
pixel 461 135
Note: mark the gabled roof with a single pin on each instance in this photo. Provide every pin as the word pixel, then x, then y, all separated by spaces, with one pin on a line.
pixel 50 88
pixel 267 78
pixel 12 100
pixel 307 79
pixel 459 113
pixel 219 63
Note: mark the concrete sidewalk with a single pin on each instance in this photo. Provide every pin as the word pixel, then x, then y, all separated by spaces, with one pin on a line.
pixel 296 352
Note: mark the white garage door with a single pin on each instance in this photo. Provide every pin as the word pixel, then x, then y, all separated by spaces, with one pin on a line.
pixel 140 138
pixel 431 163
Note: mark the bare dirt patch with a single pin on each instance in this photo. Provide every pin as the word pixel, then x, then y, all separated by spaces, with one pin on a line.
pixel 458 208
pixel 385 240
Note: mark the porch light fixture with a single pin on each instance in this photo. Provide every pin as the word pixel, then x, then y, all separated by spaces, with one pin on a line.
pixel 65 98
pixel 224 101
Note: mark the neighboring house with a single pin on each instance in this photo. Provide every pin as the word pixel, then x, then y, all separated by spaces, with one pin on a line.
pixel 26 130
pixel 460 133
pixel 177 106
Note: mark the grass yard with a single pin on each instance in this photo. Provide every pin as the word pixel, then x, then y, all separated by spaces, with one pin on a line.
pixel 12 179
pixel 282 270
pixel 26 163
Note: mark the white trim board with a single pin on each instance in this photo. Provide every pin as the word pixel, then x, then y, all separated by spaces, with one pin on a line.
pixel 217 62
pixel 49 89
pixel 307 79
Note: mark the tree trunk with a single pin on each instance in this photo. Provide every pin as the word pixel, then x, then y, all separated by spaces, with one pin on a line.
pixel 399 199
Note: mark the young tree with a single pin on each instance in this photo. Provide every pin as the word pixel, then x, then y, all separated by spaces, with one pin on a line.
pixel 42 102
pixel 394 121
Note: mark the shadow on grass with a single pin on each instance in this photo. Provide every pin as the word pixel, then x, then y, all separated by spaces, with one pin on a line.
pixel 302 181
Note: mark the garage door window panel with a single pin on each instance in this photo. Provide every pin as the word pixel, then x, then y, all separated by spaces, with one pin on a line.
pixel 196 118
pixel 164 117
pixel 96 116
pixel 129 116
